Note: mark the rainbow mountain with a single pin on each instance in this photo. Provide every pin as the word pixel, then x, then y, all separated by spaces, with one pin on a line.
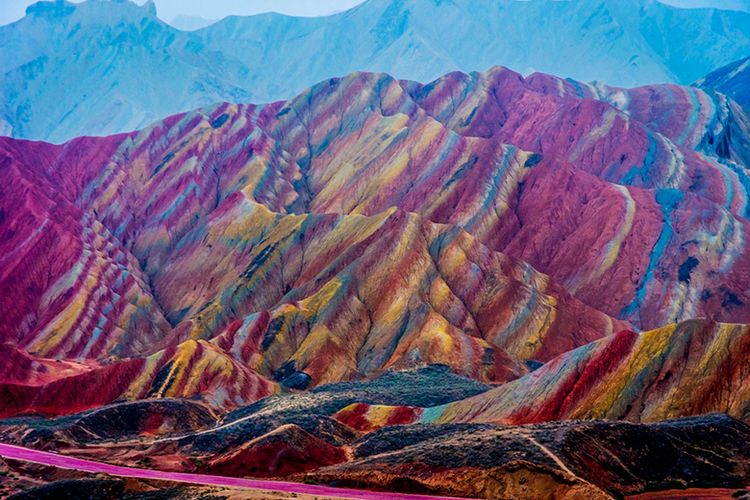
pixel 517 251
pixel 270 232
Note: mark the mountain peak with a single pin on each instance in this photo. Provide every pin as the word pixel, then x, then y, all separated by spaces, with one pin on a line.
pixel 58 9
pixel 50 9
pixel 150 6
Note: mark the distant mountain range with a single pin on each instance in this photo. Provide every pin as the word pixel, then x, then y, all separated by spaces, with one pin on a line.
pixel 743 5
pixel 104 67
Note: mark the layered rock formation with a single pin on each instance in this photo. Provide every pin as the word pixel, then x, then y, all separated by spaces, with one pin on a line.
pixel 189 370
pixel 224 250
pixel 693 368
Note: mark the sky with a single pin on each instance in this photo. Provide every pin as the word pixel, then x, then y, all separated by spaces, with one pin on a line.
pixel 12 10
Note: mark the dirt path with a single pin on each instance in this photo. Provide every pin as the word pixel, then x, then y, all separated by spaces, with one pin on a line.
pixel 72 463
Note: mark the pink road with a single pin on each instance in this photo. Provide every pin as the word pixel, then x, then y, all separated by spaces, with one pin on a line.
pixel 79 464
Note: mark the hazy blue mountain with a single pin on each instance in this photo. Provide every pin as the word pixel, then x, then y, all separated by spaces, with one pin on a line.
pixel 732 80
pixel 743 5
pixel 190 23
pixel 96 67
pixel 99 68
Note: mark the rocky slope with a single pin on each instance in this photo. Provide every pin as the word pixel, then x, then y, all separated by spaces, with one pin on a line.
pixel 560 460
pixel 190 370
pixel 693 368
pixel 78 69
pixel 555 460
pixel 732 80
pixel 315 300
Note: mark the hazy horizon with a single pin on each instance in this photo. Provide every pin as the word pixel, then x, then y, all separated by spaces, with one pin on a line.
pixel 168 10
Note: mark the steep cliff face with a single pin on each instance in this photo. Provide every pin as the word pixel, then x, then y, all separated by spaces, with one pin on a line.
pixel 733 80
